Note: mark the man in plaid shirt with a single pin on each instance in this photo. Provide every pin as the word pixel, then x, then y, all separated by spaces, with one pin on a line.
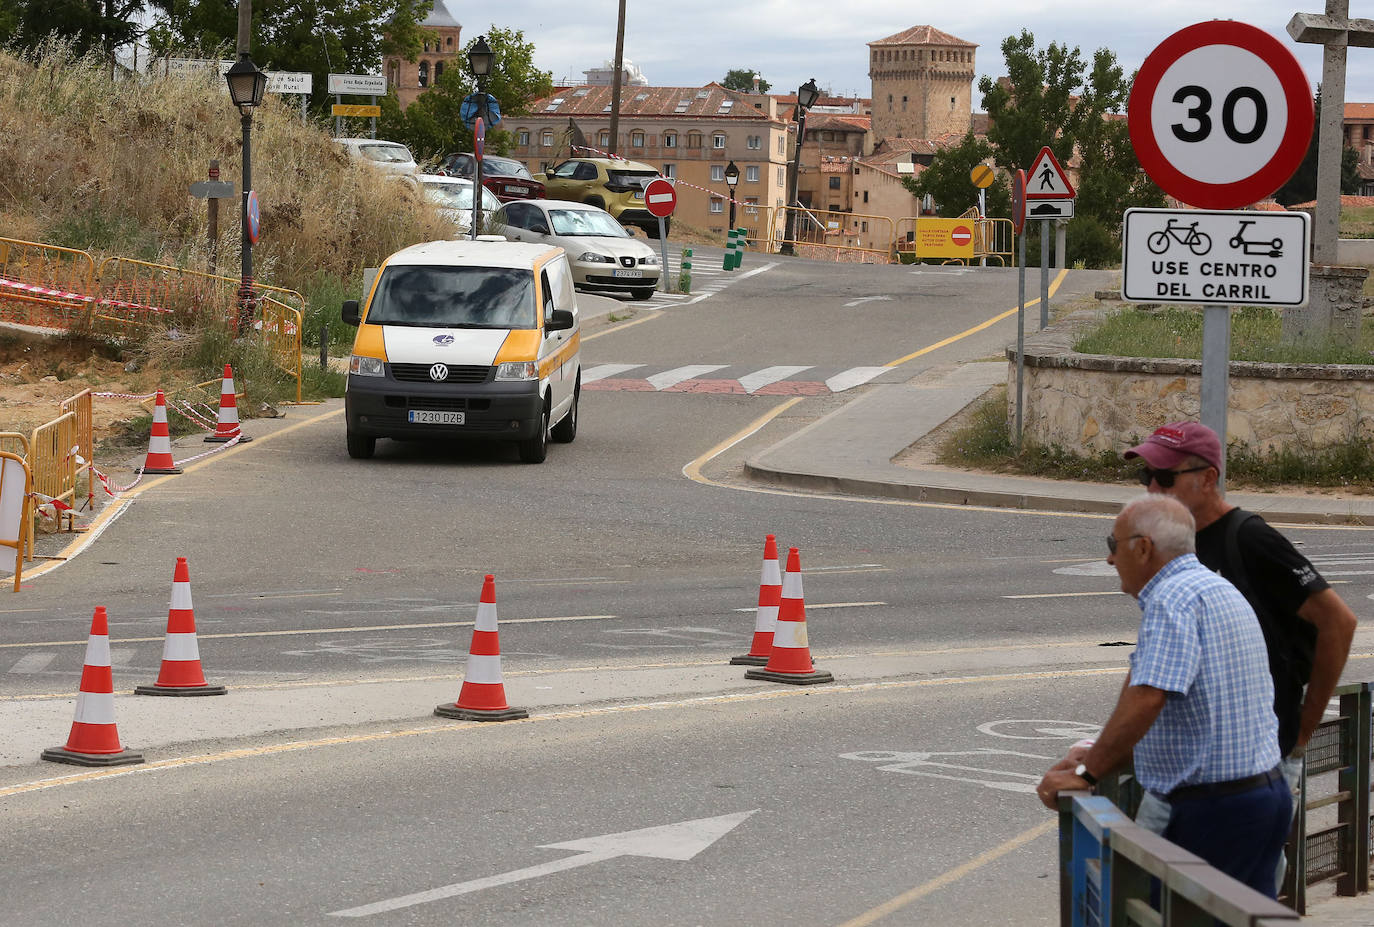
pixel 1197 706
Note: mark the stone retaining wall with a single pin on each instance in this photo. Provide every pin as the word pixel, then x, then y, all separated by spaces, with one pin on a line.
pixel 1088 403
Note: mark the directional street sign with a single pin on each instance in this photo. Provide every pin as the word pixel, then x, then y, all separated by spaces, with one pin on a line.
pixel 1221 258
pixel 212 189
pixel 1220 114
pixel 1046 180
pixel 367 85
pixel 354 109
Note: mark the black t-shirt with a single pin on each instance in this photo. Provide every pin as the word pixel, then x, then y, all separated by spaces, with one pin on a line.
pixel 1277 580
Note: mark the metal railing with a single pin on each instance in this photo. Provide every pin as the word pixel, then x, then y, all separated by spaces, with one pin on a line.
pixel 993 239
pixel 52 463
pixel 44 285
pixel 835 235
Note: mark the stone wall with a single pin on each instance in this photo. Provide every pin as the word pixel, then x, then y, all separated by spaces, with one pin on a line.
pixel 1088 403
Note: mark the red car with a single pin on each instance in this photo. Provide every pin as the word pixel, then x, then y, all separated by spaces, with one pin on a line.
pixel 507 178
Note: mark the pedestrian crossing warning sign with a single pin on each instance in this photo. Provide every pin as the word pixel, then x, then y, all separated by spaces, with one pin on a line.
pixel 1046 180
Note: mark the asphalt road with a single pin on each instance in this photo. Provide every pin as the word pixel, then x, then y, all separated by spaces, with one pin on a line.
pixel 632 557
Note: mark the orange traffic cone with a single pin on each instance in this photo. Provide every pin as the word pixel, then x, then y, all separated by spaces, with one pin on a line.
pixel 227 427
pixel 790 659
pixel 159 458
pixel 770 594
pixel 483 696
pixel 94 740
pixel 181 673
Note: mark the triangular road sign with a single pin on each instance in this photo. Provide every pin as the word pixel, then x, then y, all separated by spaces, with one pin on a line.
pixel 1046 180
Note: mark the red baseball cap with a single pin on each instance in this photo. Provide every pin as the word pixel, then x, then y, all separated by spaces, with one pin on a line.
pixel 1170 445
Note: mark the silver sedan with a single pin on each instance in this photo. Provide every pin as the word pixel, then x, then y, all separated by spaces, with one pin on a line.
pixel 603 254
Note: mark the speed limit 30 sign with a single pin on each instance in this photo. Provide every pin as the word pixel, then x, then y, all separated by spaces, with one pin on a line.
pixel 1220 114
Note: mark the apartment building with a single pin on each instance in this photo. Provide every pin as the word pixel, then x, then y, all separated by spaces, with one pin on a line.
pixel 689 133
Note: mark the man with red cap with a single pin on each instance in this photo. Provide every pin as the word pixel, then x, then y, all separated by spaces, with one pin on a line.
pixel 1307 627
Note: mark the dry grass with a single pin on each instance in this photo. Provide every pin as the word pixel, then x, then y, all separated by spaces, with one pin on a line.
pixel 105 167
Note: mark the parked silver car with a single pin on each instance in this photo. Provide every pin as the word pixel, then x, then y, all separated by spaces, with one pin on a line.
pixel 604 255
pixel 392 157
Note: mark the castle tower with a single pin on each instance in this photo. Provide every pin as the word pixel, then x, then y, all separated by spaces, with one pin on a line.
pixel 922 84
pixel 442 50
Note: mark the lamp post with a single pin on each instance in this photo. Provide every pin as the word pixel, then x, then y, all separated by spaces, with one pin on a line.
pixel 246 88
pixel 732 178
pixel 480 61
pixel 807 94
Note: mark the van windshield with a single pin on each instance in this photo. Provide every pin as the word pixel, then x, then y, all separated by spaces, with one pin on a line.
pixel 422 296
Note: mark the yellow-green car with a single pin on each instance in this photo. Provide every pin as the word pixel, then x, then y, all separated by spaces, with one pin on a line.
pixel 608 183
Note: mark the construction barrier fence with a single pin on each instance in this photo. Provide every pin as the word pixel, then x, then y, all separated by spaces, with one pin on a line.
pixel 52 460
pixel 835 235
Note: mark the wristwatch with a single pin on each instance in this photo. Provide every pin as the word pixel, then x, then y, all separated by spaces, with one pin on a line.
pixel 1082 772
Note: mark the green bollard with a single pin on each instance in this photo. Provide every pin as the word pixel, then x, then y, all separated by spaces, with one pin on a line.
pixel 728 262
pixel 742 239
pixel 684 276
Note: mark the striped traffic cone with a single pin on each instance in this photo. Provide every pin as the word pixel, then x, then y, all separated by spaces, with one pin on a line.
pixel 181 673
pixel 790 659
pixel 94 740
pixel 159 458
pixel 770 594
pixel 483 696
pixel 227 426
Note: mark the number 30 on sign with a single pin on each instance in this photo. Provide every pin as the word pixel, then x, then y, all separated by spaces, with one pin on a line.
pixel 1220 114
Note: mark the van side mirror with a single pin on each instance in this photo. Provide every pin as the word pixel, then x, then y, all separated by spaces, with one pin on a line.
pixel 559 320
pixel 351 313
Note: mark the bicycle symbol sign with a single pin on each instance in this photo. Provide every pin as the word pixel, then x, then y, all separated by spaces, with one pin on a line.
pixel 1200 243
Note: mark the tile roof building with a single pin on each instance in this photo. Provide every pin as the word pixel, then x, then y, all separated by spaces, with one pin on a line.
pixel 922 83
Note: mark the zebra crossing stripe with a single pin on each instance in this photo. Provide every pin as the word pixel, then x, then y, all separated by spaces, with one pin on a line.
pixel 761 378
pixel 601 371
pixel 661 381
pixel 32 663
pixel 854 376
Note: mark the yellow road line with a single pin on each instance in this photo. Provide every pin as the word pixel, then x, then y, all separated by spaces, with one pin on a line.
pixel 1054 286
pixel 572 714
pixel 953 875
pixel 1061 595
pixel 693 470
pixel 653 315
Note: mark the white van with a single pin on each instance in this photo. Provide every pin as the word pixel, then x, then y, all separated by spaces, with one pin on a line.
pixel 466 339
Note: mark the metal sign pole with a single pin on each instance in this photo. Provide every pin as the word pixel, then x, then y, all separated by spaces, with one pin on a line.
pixel 1216 374
pixel 1020 339
pixel 663 250
pixel 338 120
pixel 1045 225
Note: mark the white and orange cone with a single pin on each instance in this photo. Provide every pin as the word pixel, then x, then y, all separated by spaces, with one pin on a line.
pixel 227 425
pixel 94 740
pixel 483 696
pixel 181 673
pixel 790 659
pixel 770 594
pixel 159 459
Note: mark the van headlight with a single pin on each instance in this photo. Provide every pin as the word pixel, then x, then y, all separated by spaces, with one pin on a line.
pixel 517 370
pixel 591 257
pixel 366 366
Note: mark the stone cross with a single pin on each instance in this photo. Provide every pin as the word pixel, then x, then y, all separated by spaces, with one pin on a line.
pixel 1336 303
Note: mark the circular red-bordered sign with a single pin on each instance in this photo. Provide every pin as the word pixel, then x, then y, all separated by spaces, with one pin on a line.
pixel 660 198
pixel 1018 201
pixel 961 235
pixel 1220 114
pixel 254 217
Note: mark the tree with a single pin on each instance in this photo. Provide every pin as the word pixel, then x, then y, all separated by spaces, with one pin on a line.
pixel 348 37
pixel 433 126
pixel 1302 186
pixel 741 80
pixel 948 183
pixel 104 25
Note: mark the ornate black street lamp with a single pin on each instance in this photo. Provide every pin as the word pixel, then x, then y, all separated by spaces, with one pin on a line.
pixel 247 85
pixel 807 94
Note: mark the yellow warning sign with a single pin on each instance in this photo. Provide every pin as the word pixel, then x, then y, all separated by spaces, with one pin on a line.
pixel 355 109
pixel 944 238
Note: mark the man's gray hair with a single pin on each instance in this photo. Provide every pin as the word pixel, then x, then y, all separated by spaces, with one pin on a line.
pixel 1165 521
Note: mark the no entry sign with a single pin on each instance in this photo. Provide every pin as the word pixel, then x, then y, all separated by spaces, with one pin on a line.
pixel 660 198
pixel 1220 114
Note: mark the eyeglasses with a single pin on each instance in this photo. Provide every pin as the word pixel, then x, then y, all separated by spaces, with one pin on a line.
pixel 1112 542
pixel 1165 478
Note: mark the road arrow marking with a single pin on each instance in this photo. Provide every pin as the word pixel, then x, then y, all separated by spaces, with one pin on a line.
pixel 868 299
pixel 680 841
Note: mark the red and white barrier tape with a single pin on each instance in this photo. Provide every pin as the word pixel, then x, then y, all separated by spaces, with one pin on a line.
pixel 124 395
pixel 75 297
pixel 183 407
pixel 672 180
pixel 215 450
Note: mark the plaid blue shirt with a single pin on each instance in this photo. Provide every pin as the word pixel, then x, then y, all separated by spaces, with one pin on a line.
pixel 1201 643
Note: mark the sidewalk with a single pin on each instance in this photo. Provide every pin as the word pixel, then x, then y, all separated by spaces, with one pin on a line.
pixel 851 450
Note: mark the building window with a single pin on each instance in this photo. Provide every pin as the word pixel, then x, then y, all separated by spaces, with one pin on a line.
pixel 717 205
pixel 834 183
pixel 865 227
pixel 751 174
pixel 424 74
pixel 603 138
pixel 751 205
pixel 693 139
pixel 522 138
pixel 449 43
pixel 782 144
pixel 438 71
pixel 670 170
pixel 669 139
pixel 865 196
pixel 754 142
pixel 718 173
pixel 782 176
pixel 636 139
pixel 546 138
pixel 718 140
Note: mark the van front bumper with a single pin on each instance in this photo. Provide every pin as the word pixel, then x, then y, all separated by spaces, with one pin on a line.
pixel 380 407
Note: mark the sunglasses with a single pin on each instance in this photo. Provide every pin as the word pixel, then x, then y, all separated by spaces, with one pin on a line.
pixel 1165 478
pixel 1112 542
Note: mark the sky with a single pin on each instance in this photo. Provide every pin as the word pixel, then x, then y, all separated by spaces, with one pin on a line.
pixel 789 41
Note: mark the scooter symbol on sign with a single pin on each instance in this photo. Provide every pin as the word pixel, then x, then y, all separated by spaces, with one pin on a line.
pixel 1272 248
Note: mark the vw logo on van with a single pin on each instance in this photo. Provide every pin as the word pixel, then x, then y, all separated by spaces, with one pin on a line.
pixel 438 372
pixel 443 340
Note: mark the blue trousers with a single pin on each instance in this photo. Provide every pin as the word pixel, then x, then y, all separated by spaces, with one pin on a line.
pixel 1241 834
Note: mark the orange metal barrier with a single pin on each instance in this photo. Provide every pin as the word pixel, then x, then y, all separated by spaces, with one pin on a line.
pixel 838 236
pixel 52 462
pixel 16 482
pixel 44 285
pixel 82 406
pixel 993 239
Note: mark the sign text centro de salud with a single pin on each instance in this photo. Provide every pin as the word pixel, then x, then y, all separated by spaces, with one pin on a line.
pixel 1215 257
